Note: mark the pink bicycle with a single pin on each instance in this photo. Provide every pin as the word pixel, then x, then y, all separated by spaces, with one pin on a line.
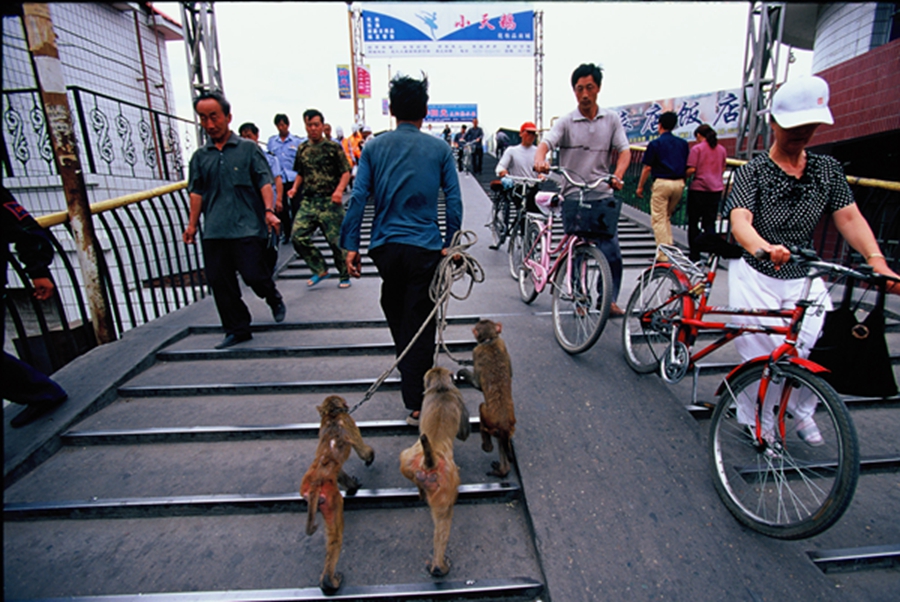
pixel 578 273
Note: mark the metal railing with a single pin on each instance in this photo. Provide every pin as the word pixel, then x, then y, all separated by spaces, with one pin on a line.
pixel 146 271
pixel 878 200
pixel 118 138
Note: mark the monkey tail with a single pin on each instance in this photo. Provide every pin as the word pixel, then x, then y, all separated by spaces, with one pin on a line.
pixel 427 453
pixel 313 506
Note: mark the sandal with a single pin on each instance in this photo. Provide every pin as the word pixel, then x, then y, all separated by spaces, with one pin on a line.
pixel 317 278
pixel 344 284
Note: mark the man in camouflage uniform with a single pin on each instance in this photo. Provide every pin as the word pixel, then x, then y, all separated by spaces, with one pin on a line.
pixel 323 170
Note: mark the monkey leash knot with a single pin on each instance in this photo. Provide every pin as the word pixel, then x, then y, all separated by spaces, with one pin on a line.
pixel 455 265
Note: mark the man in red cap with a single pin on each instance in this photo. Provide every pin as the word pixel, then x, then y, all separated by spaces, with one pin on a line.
pixel 519 160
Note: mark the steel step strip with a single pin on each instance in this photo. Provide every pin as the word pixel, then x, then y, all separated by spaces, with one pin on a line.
pixel 219 504
pixel 202 434
pixel 297 351
pixel 868 465
pixel 322 386
pixel 513 588
pixel 344 325
pixel 855 559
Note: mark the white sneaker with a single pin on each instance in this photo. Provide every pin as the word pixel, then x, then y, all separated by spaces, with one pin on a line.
pixel 809 432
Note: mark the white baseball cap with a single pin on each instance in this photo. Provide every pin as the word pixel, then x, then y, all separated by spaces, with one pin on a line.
pixel 802 101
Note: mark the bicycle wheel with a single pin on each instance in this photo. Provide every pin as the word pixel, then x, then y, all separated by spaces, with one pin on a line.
pixel 785 489
pixel 646 330
pixel 581 304
pixel 515 248
pixel 532 245
pixel 499 216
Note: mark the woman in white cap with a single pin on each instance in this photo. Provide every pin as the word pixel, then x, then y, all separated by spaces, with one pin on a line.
pixel 777 201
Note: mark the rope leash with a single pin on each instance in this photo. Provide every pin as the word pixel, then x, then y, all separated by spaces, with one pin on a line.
pixel 455 265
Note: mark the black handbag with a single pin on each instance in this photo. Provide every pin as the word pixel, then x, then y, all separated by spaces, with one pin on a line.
pixel 591 218
pixel 855 352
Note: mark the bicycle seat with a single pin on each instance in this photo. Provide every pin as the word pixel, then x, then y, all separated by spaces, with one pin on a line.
pixel 547 202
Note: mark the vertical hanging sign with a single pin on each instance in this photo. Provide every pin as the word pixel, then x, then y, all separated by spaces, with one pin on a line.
pixel 343 75
pixel 363 81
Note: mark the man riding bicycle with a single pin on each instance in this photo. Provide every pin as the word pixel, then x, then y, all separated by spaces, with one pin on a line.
pixel 585 138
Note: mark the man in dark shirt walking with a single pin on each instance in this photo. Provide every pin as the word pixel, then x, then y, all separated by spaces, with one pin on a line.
pixel 19 382
pixel 475 137
pixel 406 243
pixel 231 186
pixel 666 160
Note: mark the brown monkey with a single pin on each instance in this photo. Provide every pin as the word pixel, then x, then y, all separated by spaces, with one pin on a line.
pixel 338 433
pixel 493 377
pixel 429 462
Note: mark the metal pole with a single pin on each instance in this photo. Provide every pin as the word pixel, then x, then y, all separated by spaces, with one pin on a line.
pixel 352 62
pixel 48 69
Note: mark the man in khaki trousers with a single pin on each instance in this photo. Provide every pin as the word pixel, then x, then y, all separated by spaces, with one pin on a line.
pixel 666 160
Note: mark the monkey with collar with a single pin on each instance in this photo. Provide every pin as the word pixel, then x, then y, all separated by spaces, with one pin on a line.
pixel 492 375
pixel 429 462
pixel 338 434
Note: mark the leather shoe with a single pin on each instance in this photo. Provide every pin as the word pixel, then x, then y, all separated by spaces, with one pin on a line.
pixel 33 411
pixel 279 310
pixel 615 311
pixel 233 339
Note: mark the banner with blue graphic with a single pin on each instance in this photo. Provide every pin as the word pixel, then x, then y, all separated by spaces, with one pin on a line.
pixel 448 29
pixel 454 113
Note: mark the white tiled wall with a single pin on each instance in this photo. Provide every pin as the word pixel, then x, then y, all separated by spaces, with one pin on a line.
pixel 99 52
pixel 844 31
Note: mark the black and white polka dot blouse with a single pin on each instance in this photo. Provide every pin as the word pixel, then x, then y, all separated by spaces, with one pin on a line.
pixel 786 209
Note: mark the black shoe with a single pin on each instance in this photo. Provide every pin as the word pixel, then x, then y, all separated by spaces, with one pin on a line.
pixel 278 311
pixel 233 339
pixel 33 411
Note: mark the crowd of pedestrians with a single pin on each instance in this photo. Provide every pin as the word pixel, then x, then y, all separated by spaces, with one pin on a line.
pixel 253 197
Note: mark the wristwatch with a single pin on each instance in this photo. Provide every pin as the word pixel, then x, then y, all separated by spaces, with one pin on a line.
pixel 270 210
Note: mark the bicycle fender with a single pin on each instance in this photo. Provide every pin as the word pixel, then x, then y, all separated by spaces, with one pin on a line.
pixel 801 362
pixel 683 280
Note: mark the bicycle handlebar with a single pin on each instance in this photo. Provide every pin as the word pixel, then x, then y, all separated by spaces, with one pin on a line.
pixel 524 179
pixel 582 185
pixel 808 258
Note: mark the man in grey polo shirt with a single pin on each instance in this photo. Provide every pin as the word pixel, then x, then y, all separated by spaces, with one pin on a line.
pixel 231 186
pixel 585 138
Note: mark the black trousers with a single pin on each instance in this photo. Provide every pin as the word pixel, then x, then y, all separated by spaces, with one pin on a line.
pixel 287 213
pixel 406 273
pixel 477 158
pixel 702 209
pixel 20 383
pixel 225 258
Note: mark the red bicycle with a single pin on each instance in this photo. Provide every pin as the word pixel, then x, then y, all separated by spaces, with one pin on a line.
pixel 769 478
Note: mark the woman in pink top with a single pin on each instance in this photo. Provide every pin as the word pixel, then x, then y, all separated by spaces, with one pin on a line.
pixel 706 162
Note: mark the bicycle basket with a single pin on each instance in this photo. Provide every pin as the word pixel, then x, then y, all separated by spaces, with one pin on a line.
pixel 591 218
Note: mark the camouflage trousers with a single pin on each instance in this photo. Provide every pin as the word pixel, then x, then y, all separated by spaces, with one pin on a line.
pixel 323 214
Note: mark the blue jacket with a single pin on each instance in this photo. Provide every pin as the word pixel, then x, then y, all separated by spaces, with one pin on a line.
pixel 403 171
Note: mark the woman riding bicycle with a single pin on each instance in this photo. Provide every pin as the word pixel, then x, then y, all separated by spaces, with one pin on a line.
pixel 776 202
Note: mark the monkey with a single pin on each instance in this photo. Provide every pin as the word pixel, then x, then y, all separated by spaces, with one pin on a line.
pixel 492 375
pixel 338 434
pixel 429 461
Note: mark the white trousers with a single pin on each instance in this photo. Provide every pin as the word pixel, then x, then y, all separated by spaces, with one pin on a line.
pixel 748 288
